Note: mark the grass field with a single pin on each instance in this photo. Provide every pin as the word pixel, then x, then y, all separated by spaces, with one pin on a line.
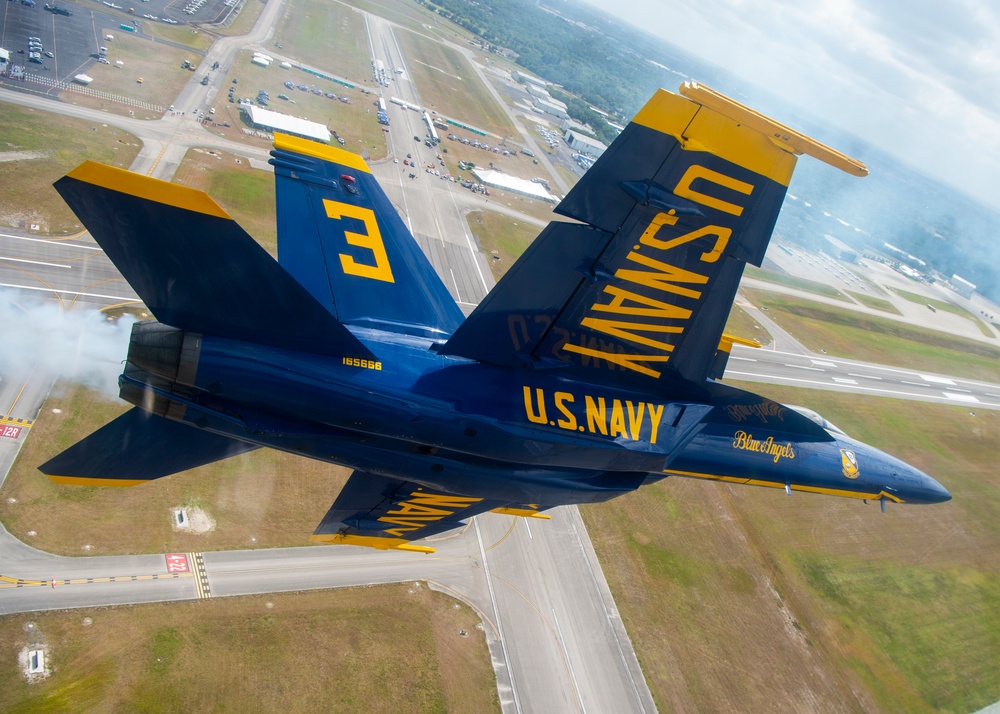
pixel 198 40
pixel 448 84
pixel 793 282
pixel 39 148
pixel 354 121
pixel 377 649
pixel 845 333
pixel 742 325
pixel 874 302
pixel 501 239
pixel 744 599
pixel 245 21
pixel 157 64
pixel 247 194
pixel 329 36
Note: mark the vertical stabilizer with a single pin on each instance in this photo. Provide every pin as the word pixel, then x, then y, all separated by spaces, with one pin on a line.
pixel 341 238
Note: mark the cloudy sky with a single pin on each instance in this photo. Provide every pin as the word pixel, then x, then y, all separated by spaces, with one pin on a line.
pixel 920 78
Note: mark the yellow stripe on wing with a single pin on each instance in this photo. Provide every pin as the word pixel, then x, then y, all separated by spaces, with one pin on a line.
pixel 521 513
pixel 369 542
pixel 83 481
pixel 699 128
pixel 151 189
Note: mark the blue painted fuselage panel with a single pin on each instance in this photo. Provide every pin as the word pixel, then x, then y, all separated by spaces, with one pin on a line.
pixel 524 436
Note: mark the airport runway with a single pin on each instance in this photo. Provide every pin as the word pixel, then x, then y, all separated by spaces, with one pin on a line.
pixel 71 270
pixel 441 231
pixel 844 375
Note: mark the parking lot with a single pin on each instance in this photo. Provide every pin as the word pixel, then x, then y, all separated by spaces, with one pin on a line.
pixel 72 39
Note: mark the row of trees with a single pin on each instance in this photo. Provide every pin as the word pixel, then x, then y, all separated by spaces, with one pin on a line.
pixel 585 62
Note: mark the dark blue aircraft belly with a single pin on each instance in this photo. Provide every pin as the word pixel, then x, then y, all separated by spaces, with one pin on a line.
pixel 436 468
pixel 441 403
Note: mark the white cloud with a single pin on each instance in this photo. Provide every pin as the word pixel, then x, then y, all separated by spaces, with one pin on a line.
pixel 921 79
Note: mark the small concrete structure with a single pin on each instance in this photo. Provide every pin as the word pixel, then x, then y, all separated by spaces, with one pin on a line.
pixel 36 662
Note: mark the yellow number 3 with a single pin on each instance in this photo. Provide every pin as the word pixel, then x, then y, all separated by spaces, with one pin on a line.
pixel 371 240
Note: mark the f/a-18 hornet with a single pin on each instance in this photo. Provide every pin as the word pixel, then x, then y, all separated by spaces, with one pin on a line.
pixel 590 369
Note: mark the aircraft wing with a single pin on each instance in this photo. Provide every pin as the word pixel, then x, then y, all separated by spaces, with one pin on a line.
pixel 387 513
pixel 637 294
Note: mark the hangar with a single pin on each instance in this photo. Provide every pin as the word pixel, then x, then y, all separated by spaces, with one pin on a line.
pixel 583 144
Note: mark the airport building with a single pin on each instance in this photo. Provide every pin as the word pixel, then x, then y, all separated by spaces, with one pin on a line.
pixel 553 107
pixel 266 120
pixel 537 91
pixel 528 79
pixel 962 286
pixel 583 144
pixel 497 179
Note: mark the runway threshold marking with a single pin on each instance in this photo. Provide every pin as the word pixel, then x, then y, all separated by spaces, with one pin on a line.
pixel 15 421
pixel 200 575
pixel 8 582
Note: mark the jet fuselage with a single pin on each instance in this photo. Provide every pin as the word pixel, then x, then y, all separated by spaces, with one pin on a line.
pixel 520 435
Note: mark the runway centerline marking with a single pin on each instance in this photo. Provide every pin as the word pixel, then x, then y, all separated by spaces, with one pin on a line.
pixel 35 262
pixel 70 292
pixel 52 242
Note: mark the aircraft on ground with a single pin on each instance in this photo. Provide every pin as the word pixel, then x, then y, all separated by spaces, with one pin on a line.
pixel 590 369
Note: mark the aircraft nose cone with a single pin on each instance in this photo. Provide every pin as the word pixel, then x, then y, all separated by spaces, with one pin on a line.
pixel 936 493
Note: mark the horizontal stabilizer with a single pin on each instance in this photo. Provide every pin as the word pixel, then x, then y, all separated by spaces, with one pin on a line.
pixel 138 447
pixel 385 513
pixel 194 266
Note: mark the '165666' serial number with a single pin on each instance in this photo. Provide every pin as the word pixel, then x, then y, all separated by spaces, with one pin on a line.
pixel 363 363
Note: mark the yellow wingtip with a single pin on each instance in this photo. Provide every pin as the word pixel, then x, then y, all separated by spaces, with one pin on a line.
pixel 147 188
pixel 783 136
pixel 379 543
pixel 81 481
pixel 521 513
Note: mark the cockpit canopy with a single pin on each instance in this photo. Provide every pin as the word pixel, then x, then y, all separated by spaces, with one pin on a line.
pixel 818 419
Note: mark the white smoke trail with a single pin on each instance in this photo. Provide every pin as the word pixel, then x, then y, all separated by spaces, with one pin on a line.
pixel 80 345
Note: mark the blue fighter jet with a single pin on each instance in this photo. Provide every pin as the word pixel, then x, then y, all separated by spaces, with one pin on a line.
pixel 590 369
